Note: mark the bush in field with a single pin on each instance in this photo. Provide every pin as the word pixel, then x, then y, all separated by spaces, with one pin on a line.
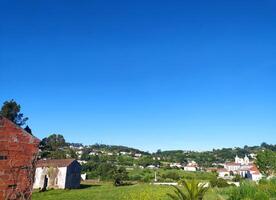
pixel 104 171
pixel 144 175
pixel 168 175
pixel 247 190
pixel 219 182
pixel 268 186
pixel 237 178
pixel 120 175
pixel 173 175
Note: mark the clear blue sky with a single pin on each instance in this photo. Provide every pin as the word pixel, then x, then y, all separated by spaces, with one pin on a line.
pixel 147 74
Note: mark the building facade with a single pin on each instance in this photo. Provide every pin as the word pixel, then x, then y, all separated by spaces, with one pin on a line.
pixel 18 155
pixel 243 167
pixel 58 174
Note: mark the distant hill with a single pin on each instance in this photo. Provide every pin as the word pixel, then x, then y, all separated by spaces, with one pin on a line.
pixel 116 148
pixel 204 159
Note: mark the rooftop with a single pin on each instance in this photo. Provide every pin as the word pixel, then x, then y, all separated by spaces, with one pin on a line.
pixel 54 163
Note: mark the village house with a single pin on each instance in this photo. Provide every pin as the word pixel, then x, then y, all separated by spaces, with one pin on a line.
pixel 57 173
pixel 176 165
pixel 93 153
pixel 222 172
pixel 152 167
pixel 243 167
pixel 137 155
pixel 125 153
pixel 18 153
pixel 191 166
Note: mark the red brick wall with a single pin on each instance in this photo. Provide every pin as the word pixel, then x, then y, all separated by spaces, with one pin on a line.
pixel 18 152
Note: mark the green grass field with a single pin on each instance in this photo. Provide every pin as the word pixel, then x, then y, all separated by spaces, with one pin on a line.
pixel 106 191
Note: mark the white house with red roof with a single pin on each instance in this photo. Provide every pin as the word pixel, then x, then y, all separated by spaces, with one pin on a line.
pixel 254 174
pixel 222 172
pixel 192 166
pixel 243 167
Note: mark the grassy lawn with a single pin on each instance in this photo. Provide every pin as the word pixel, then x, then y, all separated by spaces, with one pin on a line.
pixel 106 191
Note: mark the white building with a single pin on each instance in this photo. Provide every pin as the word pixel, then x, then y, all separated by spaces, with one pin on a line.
pixel 254 174
pixel 82 161
pixel 151 167
pixel 222 172
pixel 93 153
pixel 232 166
pixel 138 155
pixel 242 161
pixel 191 166
pixel 177 165
pixel 60 174
pixel 242 167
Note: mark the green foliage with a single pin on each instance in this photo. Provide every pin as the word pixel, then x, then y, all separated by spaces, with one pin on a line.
pixel 120 175
pixel 218 182
pixel 102 170
pixel 55 147
pixel 247 190
pixel 57 154
pixel 266 162
pixel 53 142
pixel 125 160
pixel 11 110
pixel 193 190
pixel 237 178
pixel 143 175
pixel 171 174
pixel 168 175
pixel 107 191
pixel 116 148
pixel 146 161
pixel 268 186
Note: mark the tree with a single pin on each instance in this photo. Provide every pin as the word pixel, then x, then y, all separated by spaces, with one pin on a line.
pixel 266 162
pixel 11 110
pixel 193 191
pixel 53 142
pixel 54 147
pixel 120 175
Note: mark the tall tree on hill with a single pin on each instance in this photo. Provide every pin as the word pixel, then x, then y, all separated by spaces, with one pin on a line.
pixel 54 147
pixel 266 162
pixel 53 142
pixel 11 110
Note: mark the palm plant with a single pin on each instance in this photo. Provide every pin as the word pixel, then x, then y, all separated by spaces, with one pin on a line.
pixel 193 191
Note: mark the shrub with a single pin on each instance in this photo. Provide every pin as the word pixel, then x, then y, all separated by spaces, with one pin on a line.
pixel 120 175
pixel 247 190
pixel 219 182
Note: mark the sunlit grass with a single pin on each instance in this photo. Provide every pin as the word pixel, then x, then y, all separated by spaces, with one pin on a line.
pixel 106 191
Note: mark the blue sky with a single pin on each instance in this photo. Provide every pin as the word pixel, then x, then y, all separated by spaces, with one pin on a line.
pixel 147 74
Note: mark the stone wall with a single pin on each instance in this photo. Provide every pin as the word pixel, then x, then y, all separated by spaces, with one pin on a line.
pixel 18 153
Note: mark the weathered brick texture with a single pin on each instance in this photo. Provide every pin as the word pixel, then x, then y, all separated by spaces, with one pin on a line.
pixel 18 153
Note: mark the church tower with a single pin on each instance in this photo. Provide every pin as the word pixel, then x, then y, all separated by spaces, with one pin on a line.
pixel 246 160
pixel 237 159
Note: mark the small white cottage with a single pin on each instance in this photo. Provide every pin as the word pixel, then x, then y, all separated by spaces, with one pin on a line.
pixel 59 174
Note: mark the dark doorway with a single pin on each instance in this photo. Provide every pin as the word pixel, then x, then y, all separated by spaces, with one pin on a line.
pixel 45 183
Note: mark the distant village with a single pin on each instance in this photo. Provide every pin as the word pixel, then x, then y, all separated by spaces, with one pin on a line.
pixel 68 172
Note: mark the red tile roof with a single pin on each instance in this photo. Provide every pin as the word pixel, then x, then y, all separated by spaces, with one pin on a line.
pixel 254 170
pixel 222 170
pixel 232 164
pixel 54 163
